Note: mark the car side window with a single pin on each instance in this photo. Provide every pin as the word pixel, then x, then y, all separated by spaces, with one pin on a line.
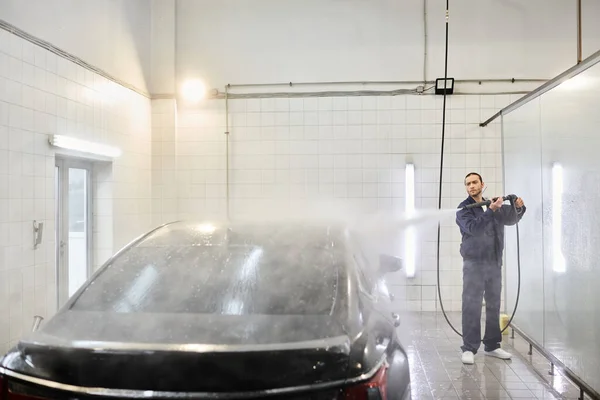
pixel 365 280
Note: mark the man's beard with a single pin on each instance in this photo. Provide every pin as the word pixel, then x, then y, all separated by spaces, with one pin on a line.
pixel 477 193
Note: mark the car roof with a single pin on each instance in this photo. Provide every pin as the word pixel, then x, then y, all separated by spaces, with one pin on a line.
pixel 193 233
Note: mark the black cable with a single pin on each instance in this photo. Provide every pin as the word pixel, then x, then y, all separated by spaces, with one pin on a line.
pixel 441 174
pixel 518 269
pixel 440 203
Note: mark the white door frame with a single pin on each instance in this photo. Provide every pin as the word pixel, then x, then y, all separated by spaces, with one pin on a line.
pixel 63 165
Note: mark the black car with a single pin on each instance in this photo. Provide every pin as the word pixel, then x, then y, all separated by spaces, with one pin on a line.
pixel 231 311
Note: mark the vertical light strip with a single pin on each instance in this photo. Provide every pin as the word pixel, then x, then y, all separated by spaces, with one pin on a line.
pixel 558 260
pixel 410 242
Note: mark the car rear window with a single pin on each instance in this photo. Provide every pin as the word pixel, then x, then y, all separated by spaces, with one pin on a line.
pixel 236 276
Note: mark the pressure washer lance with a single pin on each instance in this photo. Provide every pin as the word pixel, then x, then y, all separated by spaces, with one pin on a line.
pixel 510 197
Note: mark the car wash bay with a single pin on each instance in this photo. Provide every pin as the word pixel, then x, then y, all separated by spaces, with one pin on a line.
pixel 119 116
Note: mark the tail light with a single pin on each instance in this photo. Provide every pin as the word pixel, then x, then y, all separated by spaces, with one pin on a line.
pixel 2 395
pixel 374 389
pixel 15 391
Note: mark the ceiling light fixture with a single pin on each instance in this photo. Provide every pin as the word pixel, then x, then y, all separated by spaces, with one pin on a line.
pixel 193 90
pixel 440 85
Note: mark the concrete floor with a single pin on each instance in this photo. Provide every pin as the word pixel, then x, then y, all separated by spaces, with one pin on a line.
pixel 437 372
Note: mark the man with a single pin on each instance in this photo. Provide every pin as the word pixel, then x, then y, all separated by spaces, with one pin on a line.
pixel 482 246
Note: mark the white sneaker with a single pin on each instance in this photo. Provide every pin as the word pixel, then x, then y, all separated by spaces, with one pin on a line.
pixel 468 357
pixel 499 353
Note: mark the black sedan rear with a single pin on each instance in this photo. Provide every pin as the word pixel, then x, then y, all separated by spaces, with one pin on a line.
pixel 233 311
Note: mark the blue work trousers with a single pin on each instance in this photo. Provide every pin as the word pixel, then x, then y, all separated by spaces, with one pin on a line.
pixel 481 279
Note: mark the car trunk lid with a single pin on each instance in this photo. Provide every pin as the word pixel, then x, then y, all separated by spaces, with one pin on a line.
pixel 197 353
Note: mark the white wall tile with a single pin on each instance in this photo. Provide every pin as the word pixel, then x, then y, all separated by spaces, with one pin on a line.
pixel 35 102
pixel 351 149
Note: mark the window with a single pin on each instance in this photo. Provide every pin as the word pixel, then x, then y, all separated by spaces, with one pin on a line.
pixel 367 281
pixel 73 226
pixel 217 279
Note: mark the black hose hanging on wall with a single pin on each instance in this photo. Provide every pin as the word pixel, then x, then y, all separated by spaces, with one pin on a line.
pixel 440 201
pixel 442 172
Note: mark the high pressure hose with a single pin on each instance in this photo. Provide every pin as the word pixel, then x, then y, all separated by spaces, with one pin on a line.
pixel 512 201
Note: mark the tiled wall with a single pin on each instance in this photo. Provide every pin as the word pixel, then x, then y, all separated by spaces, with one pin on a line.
pixel 284 153
pixel 40 94
pixel 164 161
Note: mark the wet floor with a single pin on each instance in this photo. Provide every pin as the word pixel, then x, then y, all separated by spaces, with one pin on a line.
pixel 437 372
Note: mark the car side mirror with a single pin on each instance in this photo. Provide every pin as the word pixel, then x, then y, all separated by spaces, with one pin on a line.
pixel 389 263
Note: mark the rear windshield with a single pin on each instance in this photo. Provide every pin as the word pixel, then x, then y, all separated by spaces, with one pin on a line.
pixel 274 278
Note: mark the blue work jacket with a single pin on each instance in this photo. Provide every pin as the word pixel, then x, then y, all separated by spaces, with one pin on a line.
pixel 483 231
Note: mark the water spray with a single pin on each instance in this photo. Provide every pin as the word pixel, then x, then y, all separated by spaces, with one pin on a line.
pixel 511 197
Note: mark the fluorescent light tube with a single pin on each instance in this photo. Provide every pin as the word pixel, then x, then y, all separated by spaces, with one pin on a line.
pixel 410 242
pixel 83 146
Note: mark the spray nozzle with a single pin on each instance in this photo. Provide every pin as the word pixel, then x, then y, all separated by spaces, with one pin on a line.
pixel 510 197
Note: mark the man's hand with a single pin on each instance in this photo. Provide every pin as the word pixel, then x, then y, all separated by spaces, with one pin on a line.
pixel 519 203
pixel 495 206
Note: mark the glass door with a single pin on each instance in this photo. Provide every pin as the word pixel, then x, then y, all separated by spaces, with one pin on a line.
pixel 73 226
